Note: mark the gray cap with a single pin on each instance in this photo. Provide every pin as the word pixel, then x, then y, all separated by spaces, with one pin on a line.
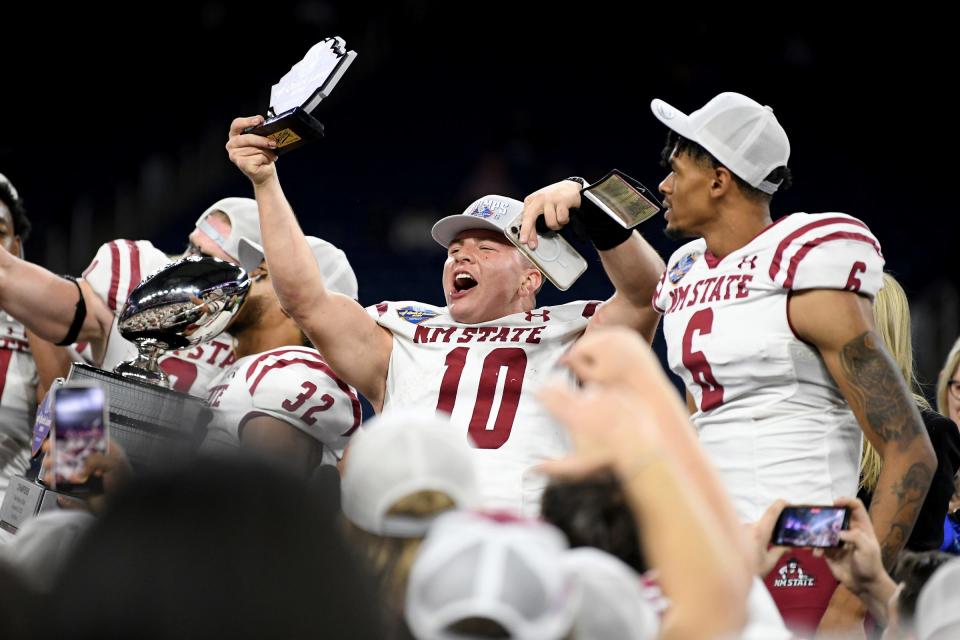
pixel 335 269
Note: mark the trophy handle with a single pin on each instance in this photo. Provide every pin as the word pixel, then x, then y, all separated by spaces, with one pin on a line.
pixel 144 368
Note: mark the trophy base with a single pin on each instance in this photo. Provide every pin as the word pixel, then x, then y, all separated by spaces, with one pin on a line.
pixel 25 499
pixel 154 425
pixel 290 130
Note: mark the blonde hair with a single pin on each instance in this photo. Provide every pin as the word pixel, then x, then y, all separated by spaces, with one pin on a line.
pixel 390 558
pixel 891 313
pixel 949 368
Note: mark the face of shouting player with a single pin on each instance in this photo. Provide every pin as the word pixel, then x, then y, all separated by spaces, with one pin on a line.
pixel 8 239
pixel 485 277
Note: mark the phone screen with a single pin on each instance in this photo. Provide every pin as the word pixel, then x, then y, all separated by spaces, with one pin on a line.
pixel 811 526
pixel 79 428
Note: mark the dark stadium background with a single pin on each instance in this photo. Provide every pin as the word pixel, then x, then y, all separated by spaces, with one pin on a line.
pixel 115 121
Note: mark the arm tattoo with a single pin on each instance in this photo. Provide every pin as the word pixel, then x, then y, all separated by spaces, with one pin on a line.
pixel 879 388
pixel 876 387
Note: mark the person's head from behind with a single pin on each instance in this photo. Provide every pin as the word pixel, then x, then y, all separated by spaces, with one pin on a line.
pixel 222 549
pixel 937 614
pixel 912 571
pixel 948 385
pixel 732 152
pixel 218 230
pixel 14 224
pixel 593 512
pixel 401 471
pixel 485 276
pixel 262 308
pixel 493 577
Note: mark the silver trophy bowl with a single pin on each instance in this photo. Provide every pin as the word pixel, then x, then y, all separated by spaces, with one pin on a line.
pixel 181 305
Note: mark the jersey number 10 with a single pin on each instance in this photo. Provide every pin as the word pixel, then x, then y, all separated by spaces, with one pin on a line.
pixel 515 362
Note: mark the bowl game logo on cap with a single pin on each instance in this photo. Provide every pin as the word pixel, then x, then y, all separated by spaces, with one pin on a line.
pixel 490 207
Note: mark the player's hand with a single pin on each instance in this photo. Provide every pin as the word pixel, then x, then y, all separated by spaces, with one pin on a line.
pixel 607 427
pixel 858 564
pixel 760 532
pixel 254 155
pixel 618 357
pixel 553 202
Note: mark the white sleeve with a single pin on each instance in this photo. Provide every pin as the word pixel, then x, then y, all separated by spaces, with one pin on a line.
pixel 300 389
pixel 119 266
pixel 835 251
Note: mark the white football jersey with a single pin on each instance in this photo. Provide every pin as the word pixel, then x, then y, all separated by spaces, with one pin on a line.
pixel 293 384
pixel 486 377
pixel 18 399
pixel 770 414
pixel 116 270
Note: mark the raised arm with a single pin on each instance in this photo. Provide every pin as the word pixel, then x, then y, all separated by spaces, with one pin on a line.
pixel 633 266
pixel 352 342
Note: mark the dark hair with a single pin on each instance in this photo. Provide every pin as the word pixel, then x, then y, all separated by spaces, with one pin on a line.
pixel 680 145
pixel 21 224
pixel 228 549
pixel 913 569
pixel 593 512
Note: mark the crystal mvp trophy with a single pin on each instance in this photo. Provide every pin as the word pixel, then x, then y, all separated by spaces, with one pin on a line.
pixel 293 100
pixel 184 304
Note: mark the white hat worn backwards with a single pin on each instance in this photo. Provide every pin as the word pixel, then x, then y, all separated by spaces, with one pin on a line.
pixel 493 213
pixel 335 269
pixel 477 566
pixel 937 616
pixel 743 135
pixel 396 455
pixel 612 604
pixel 244 223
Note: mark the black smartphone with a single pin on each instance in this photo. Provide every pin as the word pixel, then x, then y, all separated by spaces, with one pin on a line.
pixel 811 526
pixel 80 427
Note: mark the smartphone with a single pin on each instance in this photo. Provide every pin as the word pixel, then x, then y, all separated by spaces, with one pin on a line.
pixel 811 526
pixel 80 427
pixel 554 256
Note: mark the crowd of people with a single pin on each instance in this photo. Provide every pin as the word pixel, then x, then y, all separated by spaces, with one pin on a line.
pixel 531 471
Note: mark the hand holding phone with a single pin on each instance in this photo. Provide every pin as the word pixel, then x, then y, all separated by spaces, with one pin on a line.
pixel 80 428
pixel 553 255
pixel 811 526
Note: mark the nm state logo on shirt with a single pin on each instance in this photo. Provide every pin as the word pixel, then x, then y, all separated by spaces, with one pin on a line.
pixel 792 575
pixel 415 315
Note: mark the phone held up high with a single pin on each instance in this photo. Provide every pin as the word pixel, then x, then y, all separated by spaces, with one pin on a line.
pixel 811 526
pixel 80 428
pixel 554 256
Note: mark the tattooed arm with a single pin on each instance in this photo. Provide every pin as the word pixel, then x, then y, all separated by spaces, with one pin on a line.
pixel 840 325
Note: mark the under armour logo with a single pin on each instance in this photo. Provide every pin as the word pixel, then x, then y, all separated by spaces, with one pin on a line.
pixel 545 314
pixel 751 261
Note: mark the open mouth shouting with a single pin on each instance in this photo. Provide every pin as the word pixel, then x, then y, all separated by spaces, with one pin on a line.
pixel 463 282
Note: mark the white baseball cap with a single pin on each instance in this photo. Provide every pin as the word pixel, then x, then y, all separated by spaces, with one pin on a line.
pixel 44 544
pixel 489 212
pixel 937 615
pixel 335 269
pixel 612 604
pixel 398 454
pixel 505 570
pixel 244 223
pixel 743 135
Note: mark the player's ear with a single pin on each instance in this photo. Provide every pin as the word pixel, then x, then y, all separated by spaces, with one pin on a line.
pixel 16 247
pixel 722 181
pixel 532 280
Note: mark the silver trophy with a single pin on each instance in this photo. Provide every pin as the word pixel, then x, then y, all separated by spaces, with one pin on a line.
pixel 181 305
